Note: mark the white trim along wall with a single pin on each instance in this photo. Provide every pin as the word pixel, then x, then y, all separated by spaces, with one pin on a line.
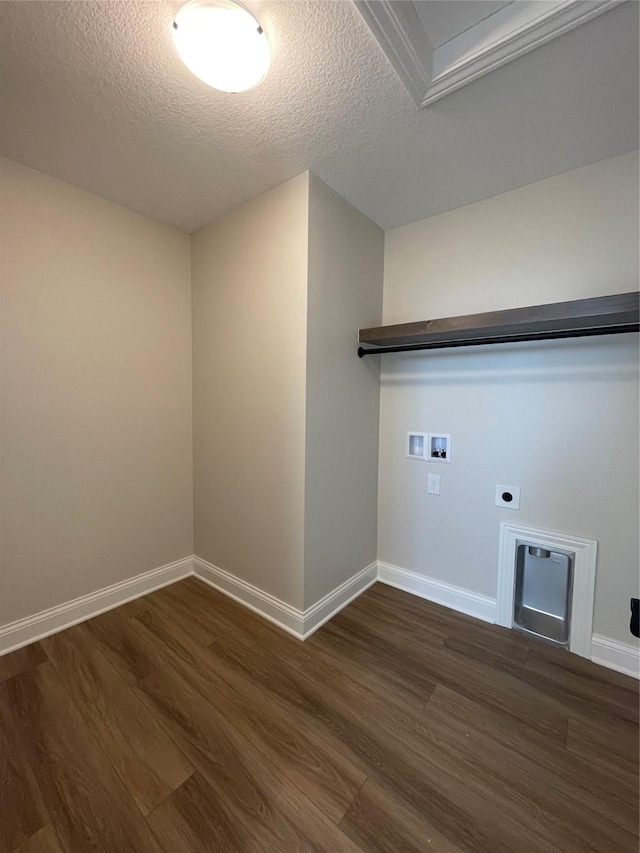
pixel 300 623
pixel 24 631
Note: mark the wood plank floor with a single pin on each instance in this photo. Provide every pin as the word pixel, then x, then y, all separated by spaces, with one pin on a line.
pixel 182 722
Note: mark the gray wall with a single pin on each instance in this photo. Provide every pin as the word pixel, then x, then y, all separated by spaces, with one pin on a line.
pixel 285 418
pixel 96 390
pixel 559 419
pixel 249 345
pixel 96 393
pixel 343 393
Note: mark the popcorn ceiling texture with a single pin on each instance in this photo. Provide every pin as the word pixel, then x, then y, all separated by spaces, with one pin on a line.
pixel 94 93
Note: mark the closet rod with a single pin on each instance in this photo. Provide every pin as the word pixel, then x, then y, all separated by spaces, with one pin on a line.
pixel 506 339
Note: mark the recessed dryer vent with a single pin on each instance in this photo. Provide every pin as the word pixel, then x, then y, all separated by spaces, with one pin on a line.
pixel 543 588
pixel 546 585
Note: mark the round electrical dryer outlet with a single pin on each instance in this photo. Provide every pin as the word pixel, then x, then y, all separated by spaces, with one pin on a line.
pixel 508 496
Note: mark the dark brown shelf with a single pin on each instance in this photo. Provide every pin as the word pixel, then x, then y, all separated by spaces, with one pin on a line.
pixel 580 317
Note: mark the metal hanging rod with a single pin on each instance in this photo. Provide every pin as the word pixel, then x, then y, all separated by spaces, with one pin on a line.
pixel 506 339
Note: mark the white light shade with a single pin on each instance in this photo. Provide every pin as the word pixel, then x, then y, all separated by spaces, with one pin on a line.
pixel 222 44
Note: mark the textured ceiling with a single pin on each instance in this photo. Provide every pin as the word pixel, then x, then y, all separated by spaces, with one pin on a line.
pixel 93 93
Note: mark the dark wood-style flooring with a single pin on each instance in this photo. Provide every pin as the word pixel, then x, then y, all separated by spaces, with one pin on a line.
pixel 182 722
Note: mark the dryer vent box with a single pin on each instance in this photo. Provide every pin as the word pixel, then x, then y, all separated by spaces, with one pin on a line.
pixel 543 590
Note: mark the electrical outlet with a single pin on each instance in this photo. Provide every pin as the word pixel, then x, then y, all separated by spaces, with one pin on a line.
pixel 433 484
pixel 508 496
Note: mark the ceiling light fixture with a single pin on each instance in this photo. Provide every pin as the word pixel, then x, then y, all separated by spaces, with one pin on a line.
pixel 222 43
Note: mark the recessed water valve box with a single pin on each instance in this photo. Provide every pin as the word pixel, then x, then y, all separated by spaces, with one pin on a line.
pixel 417 444
pixel 439 447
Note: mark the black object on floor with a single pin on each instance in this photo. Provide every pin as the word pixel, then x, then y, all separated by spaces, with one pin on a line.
pixel 635 617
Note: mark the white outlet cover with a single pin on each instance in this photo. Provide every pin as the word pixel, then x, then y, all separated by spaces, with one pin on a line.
pixel 433 484
pixel 503 500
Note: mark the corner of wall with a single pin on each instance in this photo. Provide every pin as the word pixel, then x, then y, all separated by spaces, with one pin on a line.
pixel 342 395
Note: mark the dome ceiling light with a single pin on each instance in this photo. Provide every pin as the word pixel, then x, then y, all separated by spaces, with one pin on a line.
pixel 222 44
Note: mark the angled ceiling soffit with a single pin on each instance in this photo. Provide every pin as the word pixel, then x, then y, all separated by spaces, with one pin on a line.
pixel 432 73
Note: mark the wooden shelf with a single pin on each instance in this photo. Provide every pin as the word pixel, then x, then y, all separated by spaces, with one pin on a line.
pixel 617 313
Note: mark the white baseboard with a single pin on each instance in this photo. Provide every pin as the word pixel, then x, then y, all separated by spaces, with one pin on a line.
pixel 43 624
pixel 320 612
pixel 300 623
pixel 297 622
pixel 272 608
pixel 622 657
pixel 462 600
